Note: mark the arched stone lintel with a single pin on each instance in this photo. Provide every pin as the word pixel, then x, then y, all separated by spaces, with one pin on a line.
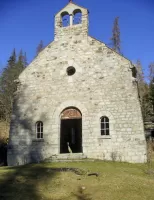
pixel 71 113
pixel 104 113
pixel 72 9
pixel 66 104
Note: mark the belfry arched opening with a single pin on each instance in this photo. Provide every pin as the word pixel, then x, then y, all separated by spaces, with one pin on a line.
pixel 71 131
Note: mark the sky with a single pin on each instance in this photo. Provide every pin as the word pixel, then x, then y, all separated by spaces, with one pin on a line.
pixel 23 23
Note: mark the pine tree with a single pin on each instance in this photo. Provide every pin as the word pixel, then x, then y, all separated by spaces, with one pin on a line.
pixel 12 59
pixel 7 82
pixel 143 91
pixel 116 43
pixel 151 71
pixel 39 47
pixel 140 75
pixel 7 88
pixel 20 65
pixel 151 93
pixel 25 60
pixel 151 88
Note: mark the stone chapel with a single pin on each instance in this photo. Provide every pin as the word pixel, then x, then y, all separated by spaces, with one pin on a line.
pixel 77 99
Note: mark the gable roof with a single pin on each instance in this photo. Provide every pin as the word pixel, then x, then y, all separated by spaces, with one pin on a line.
pixel 112 49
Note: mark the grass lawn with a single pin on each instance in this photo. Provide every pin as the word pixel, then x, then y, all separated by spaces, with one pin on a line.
pixel 116 181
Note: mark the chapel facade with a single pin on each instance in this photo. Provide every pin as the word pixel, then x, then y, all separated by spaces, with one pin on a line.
pixel 77 97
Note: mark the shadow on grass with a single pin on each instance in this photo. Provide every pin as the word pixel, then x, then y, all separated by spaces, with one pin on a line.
pixel 22 182
pixel 81 194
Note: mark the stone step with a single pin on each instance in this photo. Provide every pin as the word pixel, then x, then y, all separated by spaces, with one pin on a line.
pixel 81 160
pixel 67 157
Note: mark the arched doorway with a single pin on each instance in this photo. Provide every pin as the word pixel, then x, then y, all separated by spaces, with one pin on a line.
pixel 71 130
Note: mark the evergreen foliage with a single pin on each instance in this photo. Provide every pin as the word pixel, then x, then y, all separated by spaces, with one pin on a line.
pixel 151 71
pixel 143 89
pixel 39 47
pixel 15 65
pixel 116 42
pixel 10 73
pixel 146 91
pixel 151 94
pixel 151 90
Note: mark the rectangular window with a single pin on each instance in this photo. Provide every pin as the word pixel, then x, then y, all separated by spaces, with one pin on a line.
pixel 39 130
pixel 105 126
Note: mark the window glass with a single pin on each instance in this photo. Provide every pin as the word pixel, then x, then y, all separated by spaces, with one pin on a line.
pixel 105 126
pixel 39 129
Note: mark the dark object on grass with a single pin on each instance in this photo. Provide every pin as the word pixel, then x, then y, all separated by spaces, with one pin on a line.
pixel 3 154
pixel 93 174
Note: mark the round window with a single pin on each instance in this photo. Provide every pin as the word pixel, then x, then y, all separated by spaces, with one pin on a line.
pixel 70 71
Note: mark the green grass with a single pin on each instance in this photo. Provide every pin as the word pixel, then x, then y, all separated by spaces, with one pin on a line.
pixel 116 181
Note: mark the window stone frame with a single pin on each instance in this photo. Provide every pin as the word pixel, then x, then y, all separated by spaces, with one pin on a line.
pixel 96 119
pixel 41 132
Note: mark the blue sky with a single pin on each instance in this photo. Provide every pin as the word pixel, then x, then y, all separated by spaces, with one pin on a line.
pixel 23 23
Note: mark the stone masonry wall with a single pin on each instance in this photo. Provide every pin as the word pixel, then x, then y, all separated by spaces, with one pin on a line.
pixel 102 86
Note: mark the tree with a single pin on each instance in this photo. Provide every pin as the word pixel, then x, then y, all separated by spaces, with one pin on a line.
pixel 7 82
pixel 151 88
pixel 143 91
pixel 151 94
pixel 151 71
pixel 140 73
pixel 7 88
pixel 21 63
pixel 39 47
pixel 25 60
pixel 140 79
pixel 116 36
pixel 6 85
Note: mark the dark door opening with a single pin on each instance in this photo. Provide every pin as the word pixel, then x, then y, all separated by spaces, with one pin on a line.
pixel 71 131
